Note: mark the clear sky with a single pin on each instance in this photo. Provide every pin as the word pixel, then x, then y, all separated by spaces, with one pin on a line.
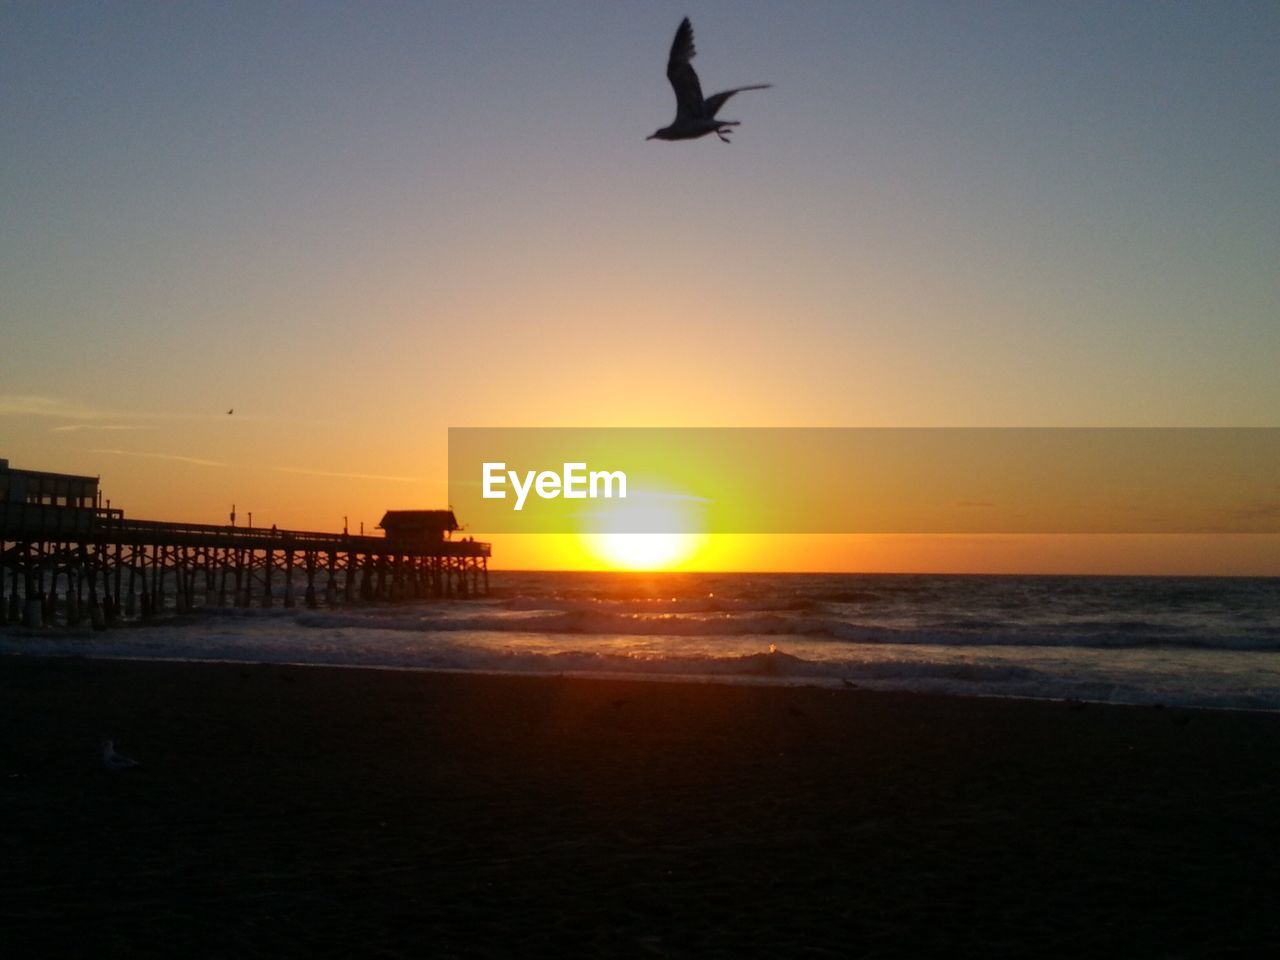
pixel 360 224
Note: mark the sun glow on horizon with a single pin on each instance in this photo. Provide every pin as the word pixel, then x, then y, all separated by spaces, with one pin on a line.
pixel 647 531
pixel 642 551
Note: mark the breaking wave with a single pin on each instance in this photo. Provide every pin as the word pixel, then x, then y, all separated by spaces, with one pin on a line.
pixel 582 621
pixel 1178 641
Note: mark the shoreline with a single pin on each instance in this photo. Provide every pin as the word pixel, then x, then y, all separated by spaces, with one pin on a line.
pixel 304 811
pixel 729 680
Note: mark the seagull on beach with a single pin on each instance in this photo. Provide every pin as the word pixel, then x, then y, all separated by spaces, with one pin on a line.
pixel 695 116
pixel 114 761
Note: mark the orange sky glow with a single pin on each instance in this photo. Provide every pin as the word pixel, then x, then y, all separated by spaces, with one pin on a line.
pixel 935 217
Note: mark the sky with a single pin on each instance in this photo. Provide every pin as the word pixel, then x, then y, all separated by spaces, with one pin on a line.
pixel 358 225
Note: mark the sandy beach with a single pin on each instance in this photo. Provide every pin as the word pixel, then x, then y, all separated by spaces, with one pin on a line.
pixel 286 811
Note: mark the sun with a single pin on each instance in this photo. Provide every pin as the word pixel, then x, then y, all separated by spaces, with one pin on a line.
pixel 642 551
pixel 646 532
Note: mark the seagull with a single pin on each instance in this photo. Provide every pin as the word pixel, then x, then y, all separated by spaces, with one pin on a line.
pixel 695 116
pixel 114 761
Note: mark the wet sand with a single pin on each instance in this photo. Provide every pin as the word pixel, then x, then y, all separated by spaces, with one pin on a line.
pixel 340 813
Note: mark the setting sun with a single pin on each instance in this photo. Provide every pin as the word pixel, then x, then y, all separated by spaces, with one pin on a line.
pixel 648 531
pixel 642 551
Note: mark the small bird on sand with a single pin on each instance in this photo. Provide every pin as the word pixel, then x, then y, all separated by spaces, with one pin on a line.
pixel 114 761
pixel 695 116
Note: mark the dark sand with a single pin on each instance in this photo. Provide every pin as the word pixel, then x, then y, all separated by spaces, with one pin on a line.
pixel 342 813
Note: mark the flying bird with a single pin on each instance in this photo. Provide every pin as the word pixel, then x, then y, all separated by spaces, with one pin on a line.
pixel 695 116
pixel 114 761
pixel 231 411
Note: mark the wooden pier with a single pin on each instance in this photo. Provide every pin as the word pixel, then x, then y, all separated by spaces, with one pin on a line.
pixel 64 557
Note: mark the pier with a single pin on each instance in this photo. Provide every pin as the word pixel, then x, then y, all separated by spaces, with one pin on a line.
pixel 65 557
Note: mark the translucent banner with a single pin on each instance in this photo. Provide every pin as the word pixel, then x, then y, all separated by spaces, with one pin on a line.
pixel 855 480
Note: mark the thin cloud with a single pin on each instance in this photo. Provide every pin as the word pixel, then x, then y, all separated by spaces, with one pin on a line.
pixel 200 462
pixel 177 458
pixel 35 405
pixel 1261 513
pixel 76 427
pixel 348 476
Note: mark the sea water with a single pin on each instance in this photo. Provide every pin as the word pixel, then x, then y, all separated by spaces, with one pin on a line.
pixel 1210 642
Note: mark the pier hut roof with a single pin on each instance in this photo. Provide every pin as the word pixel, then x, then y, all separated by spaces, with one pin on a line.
pixel 419 521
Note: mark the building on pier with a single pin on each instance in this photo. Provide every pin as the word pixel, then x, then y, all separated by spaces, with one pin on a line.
pixel 44 503
pixel 418 529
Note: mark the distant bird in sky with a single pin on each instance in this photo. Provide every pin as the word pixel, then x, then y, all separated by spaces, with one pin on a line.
pixel 114 761
pixel 231 411
pixel 695 116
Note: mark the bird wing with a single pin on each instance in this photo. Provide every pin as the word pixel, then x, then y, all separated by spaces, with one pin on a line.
pixel 684 81
pixel 717 100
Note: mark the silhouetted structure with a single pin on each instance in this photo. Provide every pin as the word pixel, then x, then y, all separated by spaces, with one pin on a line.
pixel 55 535
pixel 418 529
pixel 48 503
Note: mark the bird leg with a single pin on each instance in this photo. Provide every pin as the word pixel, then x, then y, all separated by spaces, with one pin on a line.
pixel 726 127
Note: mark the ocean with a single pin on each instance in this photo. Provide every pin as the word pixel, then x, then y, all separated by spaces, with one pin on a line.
pixel 1178 641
